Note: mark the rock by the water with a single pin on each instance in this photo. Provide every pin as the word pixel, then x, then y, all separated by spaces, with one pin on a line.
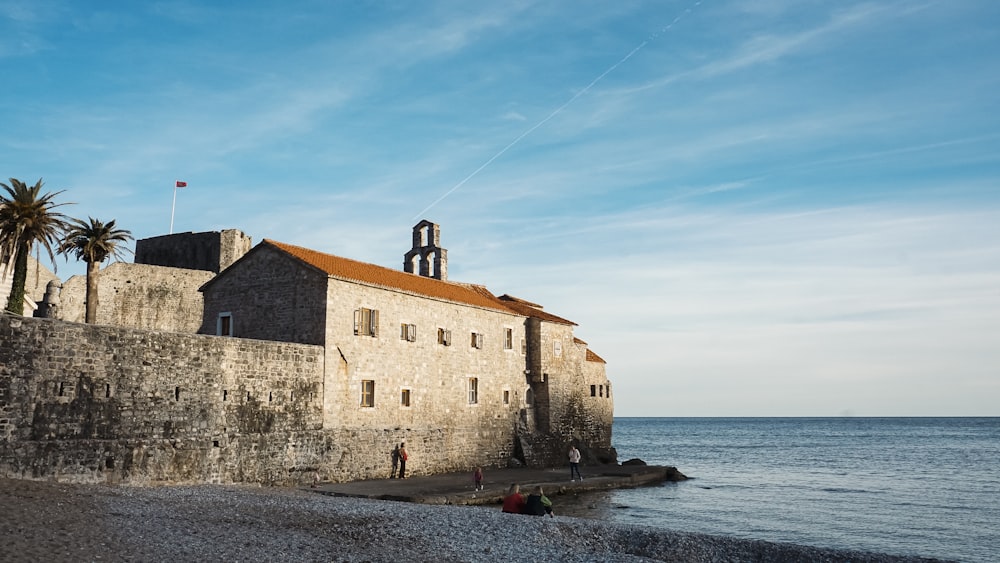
pixel 674 475
pixel 633 461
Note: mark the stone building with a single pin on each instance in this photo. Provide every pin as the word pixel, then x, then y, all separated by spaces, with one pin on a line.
pixel 353 358
pixel 409 349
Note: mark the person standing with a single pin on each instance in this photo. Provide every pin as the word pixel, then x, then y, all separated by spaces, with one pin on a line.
pixel 477 477
pixel 403 456
pixel 395 461
pixel 574 464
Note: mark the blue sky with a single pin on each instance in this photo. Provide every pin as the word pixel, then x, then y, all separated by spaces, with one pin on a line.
pixel 751 208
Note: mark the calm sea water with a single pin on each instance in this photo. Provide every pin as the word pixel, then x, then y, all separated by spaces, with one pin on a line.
pixel 905 486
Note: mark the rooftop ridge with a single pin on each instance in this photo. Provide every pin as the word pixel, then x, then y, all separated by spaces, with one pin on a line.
pixel 354 270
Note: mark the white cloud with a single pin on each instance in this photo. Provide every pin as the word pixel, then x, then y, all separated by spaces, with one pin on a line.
pixel 858 308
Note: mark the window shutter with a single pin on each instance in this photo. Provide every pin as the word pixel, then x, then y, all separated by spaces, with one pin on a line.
pixel 357 322
pixel 375 322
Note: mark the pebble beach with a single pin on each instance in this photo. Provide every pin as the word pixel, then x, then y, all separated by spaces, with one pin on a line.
pixel 46 521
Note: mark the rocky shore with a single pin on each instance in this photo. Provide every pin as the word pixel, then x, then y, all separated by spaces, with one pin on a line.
pixel 43 521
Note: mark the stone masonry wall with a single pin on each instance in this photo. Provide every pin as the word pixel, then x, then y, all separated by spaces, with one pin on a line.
pixel 90 403
pixel 442 428
pixel 272 297
pixel 574 415
pixel 139 296
pixel 440 425
pixel 93 403
pixel 210 251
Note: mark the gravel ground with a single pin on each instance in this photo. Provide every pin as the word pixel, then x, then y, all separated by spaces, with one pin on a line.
pixel 43 521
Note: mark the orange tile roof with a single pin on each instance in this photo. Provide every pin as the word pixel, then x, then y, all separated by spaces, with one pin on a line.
pixel 592 357
pixel 353 270
pixel 508 297
pixel 529 309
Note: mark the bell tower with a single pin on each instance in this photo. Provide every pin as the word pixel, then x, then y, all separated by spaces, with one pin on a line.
pixel 427 258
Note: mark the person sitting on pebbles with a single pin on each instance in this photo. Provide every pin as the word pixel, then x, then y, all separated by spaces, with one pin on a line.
pixel 514 501
pixel 538 504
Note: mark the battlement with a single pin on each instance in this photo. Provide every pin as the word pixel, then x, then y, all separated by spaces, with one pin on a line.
pixel 212 251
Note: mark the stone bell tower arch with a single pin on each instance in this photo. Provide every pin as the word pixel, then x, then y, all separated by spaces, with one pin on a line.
pixel 427 258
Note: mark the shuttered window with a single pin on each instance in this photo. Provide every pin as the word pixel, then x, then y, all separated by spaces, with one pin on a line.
pixel 366 322
pixel 473 390
pixel 367 393
pixel 408 332
pixel 444 337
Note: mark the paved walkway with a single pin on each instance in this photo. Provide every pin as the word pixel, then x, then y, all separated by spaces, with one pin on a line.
pixel 457 488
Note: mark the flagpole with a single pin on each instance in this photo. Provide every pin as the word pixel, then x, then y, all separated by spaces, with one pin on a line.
pixel 172 208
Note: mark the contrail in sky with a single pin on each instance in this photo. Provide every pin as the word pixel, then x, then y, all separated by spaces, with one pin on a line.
pixel 558 110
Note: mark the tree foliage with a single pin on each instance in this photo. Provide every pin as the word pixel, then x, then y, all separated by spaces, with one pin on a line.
pixel 93 242
pixel 27 218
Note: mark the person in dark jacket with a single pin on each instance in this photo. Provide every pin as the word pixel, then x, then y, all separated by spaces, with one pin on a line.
pixel 537 504
pixel 395 461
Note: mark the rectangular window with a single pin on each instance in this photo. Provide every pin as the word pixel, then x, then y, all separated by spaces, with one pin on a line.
pixel 477 340
pixel 444 337
pixel 524 346
pixel 600 391
pixel 593 390
pixel 506 397
pixel 224 325
pixel 404 398
pixel 365 322
pixel 367 393
pixel 473 390
pixel 408 332
pixel 508 339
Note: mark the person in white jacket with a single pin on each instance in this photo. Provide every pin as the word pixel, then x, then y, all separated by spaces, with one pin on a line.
pixel 574 464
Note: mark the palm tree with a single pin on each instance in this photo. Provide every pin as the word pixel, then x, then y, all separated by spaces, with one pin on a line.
pixel 26 219
pixel 93 242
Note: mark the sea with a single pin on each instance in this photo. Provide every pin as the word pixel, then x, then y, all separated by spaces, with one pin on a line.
pixel 924 487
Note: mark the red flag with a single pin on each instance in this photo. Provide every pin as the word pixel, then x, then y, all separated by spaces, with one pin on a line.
pixel 179 184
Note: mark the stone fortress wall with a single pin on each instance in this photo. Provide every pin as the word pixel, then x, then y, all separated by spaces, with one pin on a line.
pixel 88 403
pixel 211 251
pixel 139 296
pixel 160 290
pixel 98 403
pixel 145 399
